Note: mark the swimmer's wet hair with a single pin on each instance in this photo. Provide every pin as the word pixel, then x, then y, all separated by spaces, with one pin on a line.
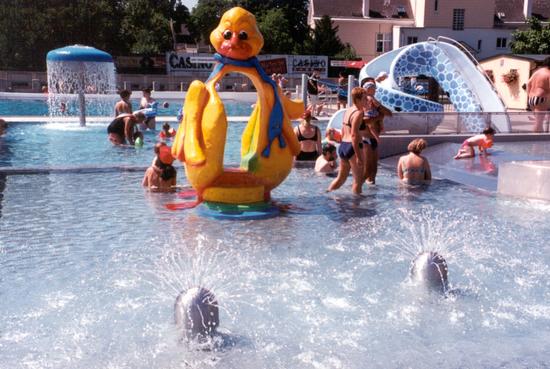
pixel 125 93
pixel 489 131
pixel 357 93
pixel 417 145
pixel 327 147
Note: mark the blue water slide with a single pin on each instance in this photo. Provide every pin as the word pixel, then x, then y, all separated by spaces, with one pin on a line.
pixel 468 88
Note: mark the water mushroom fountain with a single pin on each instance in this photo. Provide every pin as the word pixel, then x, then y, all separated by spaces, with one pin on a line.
pixel 80 77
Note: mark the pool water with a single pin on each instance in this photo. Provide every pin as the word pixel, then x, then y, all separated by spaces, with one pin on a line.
pixel 39 145
pixel 9 107
pixel 91 264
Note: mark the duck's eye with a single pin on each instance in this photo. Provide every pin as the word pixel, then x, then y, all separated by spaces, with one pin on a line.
pixel 227 34
pixel 243 35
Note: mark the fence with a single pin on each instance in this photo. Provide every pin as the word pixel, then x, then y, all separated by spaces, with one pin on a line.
pixel 454 123
pixel 13 81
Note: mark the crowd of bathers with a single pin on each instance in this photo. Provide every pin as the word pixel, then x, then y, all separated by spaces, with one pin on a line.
pixel 127 129
pixel 356 144
pixel 353 148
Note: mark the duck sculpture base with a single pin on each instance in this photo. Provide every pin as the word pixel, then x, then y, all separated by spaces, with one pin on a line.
pixel 257 210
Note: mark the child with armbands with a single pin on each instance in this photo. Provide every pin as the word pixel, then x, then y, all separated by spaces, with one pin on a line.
pixel 161 175
pixel 482 141
pixel 167 132
pixel 332 136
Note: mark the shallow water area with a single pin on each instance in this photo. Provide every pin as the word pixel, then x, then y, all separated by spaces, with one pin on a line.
pixel 91 265
pixel 61 145
pixel 18 107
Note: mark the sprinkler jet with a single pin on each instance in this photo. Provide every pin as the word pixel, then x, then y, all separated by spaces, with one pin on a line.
pixel 196 312
pixel 429 269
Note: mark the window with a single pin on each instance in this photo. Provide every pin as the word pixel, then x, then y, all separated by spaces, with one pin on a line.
pixel 478 45
pixel 458 19
pixel 383 42
pixel 501 42
pixel 401 11
pixel 436 6
pixel 412 40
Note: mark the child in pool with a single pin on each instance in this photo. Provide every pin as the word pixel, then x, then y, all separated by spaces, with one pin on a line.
pixel 332 136
pixel 161 175
pixel 167 132
pixel 482 141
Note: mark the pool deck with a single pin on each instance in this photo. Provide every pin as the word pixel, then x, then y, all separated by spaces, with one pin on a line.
pixel 480 172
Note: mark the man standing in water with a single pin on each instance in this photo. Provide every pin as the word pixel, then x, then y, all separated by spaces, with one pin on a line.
pixel 538 94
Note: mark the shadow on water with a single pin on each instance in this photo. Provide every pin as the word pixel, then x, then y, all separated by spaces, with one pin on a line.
pixel 337 207
pixel 5 150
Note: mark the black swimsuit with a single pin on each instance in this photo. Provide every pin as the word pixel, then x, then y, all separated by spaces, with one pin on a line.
pixel 363 125
pixel 307 155
pixel 303 138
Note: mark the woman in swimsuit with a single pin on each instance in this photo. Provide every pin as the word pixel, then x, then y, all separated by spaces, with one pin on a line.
pixel 351 148
pixel 374 117
pixel 413 168
pixel 122 128
pixel 309 137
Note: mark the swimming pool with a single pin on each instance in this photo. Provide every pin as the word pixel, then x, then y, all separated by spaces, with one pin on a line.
pixel 15 107
pixel 40 145
pixel 90 266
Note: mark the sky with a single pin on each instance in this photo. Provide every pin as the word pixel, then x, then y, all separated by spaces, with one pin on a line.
pixel 189 3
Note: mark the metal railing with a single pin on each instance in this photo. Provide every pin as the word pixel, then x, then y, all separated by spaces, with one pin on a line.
pixel 457 123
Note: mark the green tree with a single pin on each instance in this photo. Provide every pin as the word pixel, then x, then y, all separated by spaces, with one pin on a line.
pixel 206 16
pixel 276 31
pixel 324 39
pixel 31 28
pixel 348 53
pixel 146 24
pixel 535 40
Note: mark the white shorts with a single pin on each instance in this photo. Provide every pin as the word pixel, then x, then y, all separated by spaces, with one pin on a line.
pixel 313 99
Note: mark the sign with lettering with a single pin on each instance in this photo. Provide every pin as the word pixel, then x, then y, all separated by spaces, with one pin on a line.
pixel 292 65
pixel 187 63
pixel 300 64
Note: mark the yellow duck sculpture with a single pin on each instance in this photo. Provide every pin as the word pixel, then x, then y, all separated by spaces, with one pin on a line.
pixel 268 143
